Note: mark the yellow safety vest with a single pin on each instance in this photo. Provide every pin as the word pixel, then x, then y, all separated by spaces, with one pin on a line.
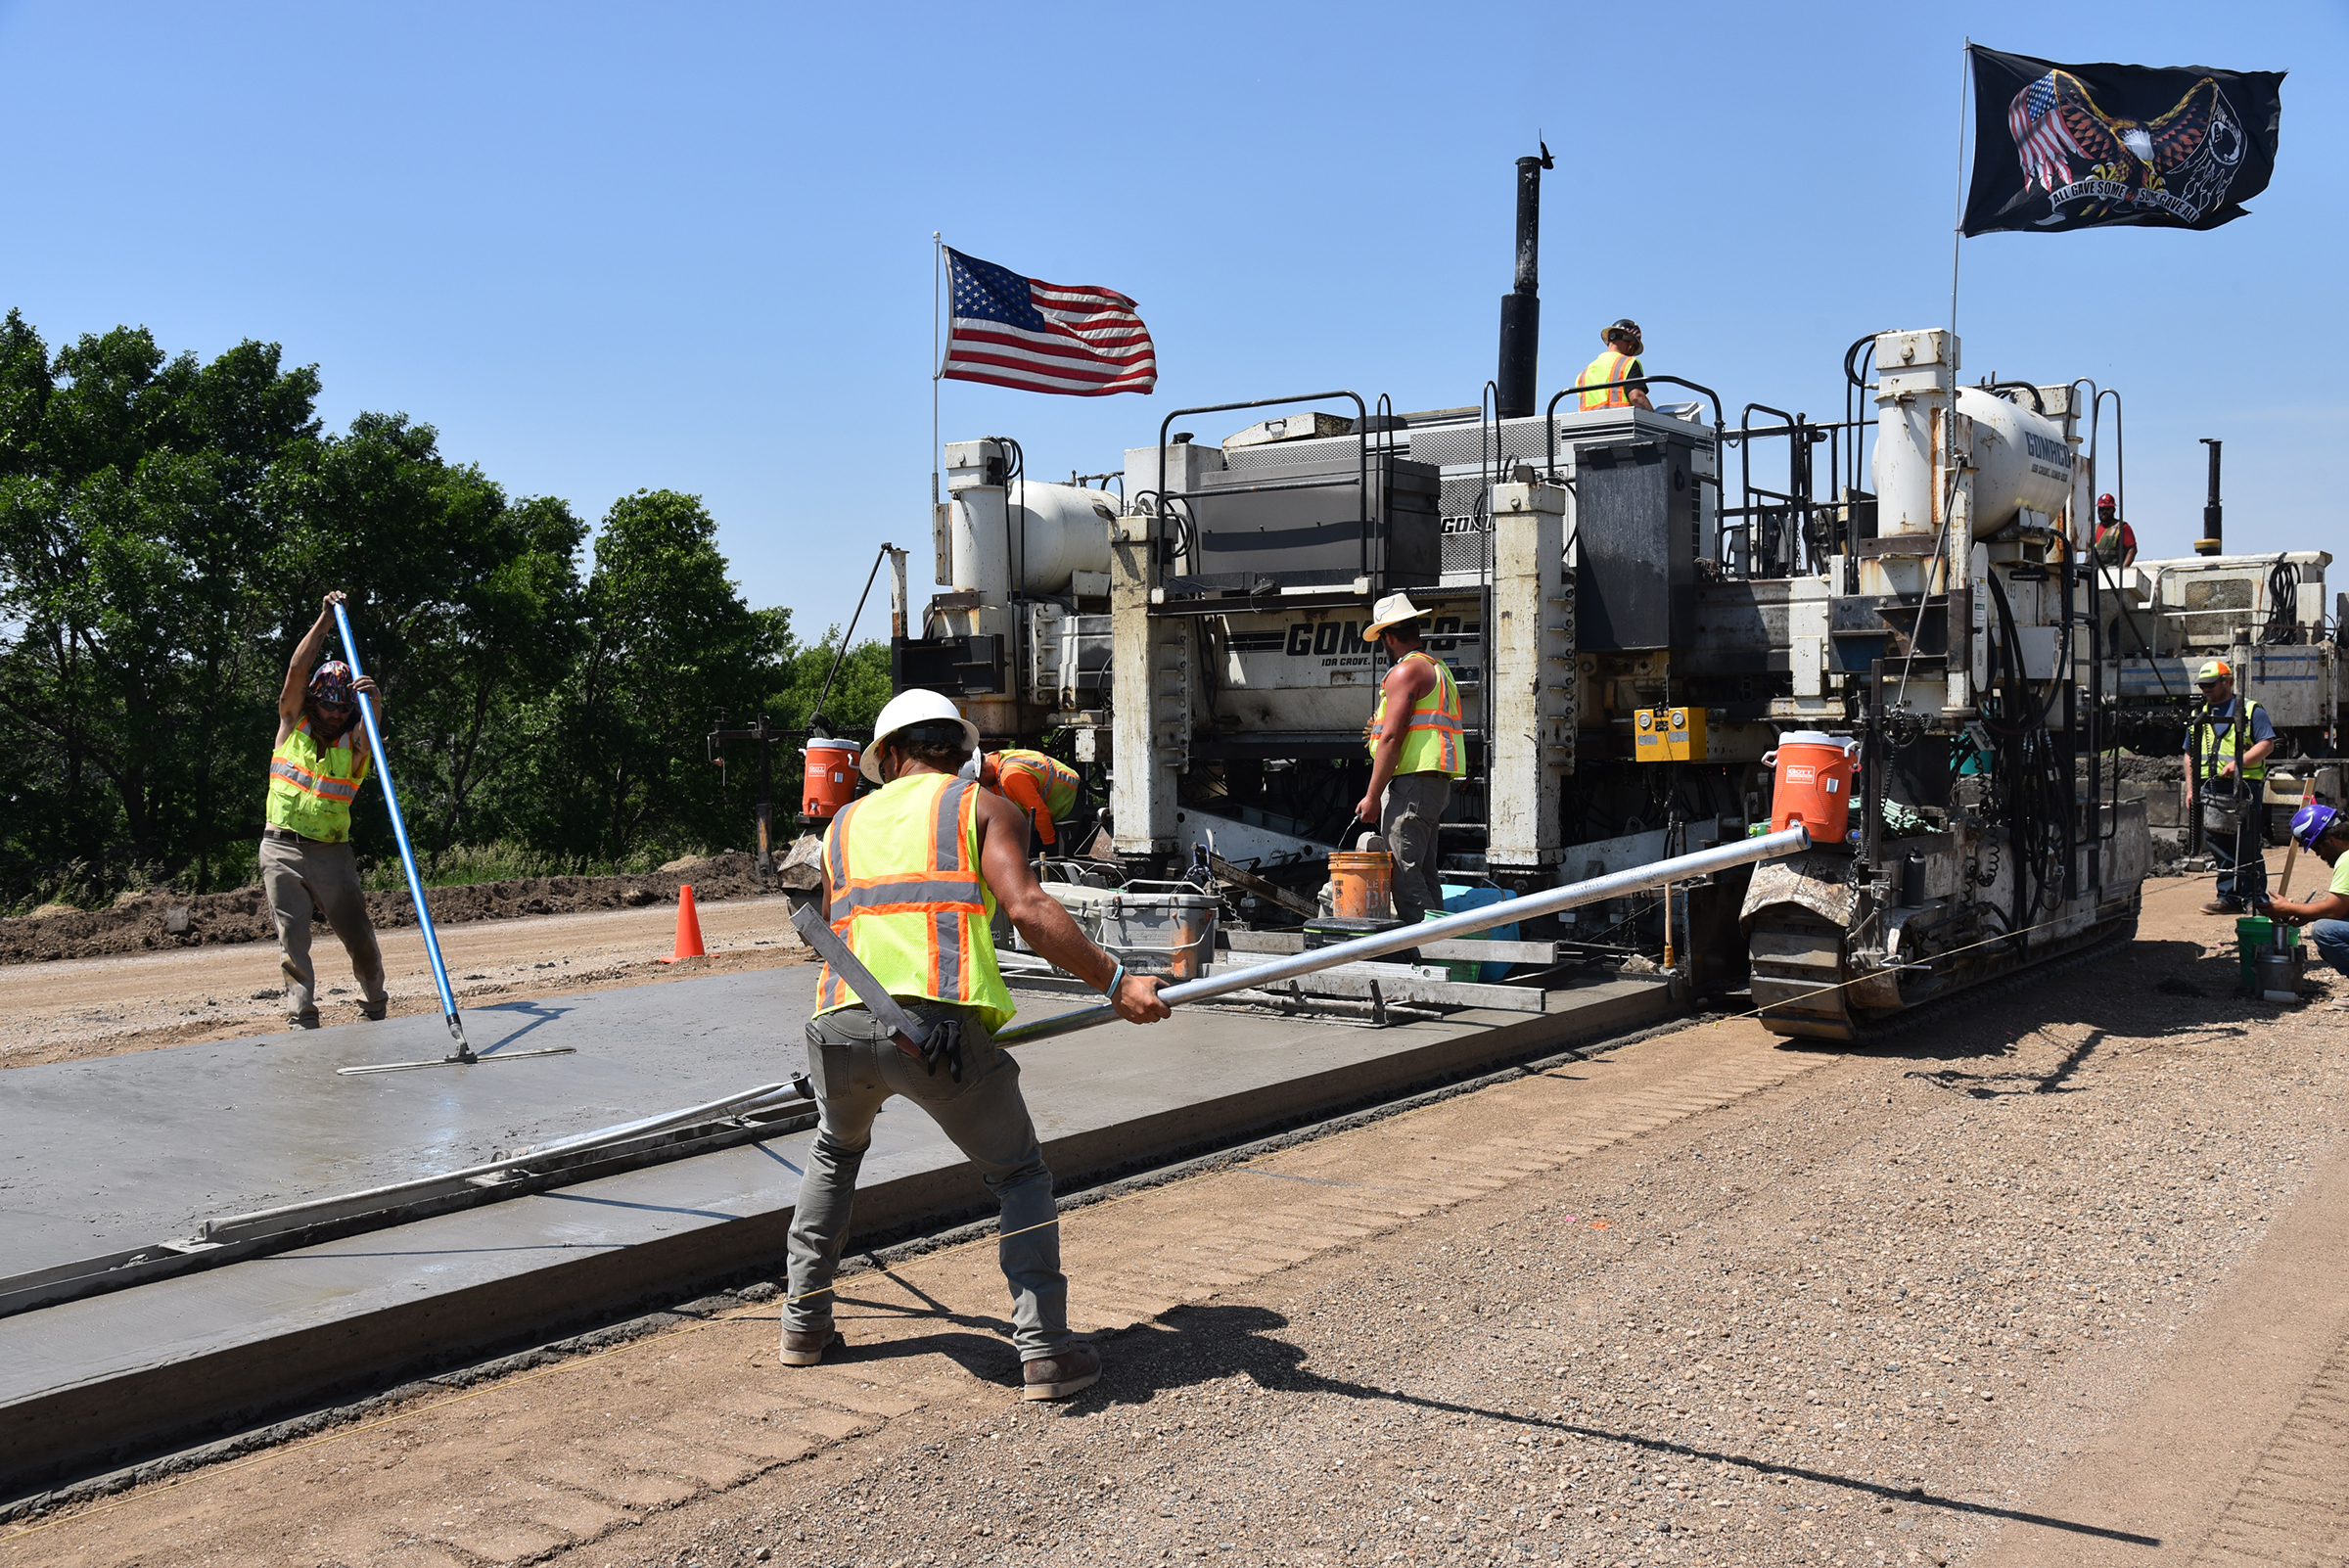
pixel 1609 366
pixel 311 790
pixel 2206 740
pixel 909 900
pixel 1044 787
pixel 1431 743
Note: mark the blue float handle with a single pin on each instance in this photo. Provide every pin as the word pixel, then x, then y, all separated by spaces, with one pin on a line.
pixel 400 831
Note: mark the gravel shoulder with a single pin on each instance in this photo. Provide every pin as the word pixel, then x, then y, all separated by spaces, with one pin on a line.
pixel 1703 1299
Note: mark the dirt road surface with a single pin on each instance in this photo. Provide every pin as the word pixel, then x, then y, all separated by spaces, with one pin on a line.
pixel 84 1007
pixel 2057 1278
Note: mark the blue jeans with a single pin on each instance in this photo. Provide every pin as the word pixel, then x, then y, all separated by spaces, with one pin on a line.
pixel 2330 938
pixel 854 1066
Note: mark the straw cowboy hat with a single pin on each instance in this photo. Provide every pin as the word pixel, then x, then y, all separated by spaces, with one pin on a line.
pixel 1392 609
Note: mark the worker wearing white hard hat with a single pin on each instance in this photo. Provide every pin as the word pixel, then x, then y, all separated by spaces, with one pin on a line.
pixel 913 874
pixel 1418 747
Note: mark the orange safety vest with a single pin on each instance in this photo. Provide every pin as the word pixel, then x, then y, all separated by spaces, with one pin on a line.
pixel 1044 787
pixel 907 898
pixel 1609 366
pixel 1432 740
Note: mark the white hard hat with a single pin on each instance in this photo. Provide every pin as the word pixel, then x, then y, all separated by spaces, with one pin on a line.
pixel 906 710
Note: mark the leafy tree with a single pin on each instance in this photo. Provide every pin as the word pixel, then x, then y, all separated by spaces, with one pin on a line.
pixel 669 645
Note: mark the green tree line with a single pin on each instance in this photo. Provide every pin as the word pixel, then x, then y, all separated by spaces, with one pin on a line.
pixel 167 526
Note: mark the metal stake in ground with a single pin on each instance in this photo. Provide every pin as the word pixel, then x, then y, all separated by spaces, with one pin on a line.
pixel 463 1055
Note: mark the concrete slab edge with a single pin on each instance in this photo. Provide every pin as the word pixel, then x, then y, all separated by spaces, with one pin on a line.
pixel 115 1434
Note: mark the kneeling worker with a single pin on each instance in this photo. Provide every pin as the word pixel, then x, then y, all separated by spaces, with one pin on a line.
pixel 1045 788
pixel 912 875
pixel 320 761
pixel 2324 832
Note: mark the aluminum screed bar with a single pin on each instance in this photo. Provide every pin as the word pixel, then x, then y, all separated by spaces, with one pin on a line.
pixel 1639 879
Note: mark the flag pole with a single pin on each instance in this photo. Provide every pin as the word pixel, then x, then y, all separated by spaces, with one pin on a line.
pixel 1965 60
pixel 937 258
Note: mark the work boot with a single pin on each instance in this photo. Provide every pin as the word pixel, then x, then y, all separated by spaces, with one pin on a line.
pixel 2220 906
pixel 303 1020
pixel 1056 1377
pixel 806 1346
pixel 375 1014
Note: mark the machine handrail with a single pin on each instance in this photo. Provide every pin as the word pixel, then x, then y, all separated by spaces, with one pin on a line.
pixel 1361 437
pixel 1549 415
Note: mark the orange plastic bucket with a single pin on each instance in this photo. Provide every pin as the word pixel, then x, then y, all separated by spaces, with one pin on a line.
pixel 831 777
pixel 1362 884
pixel 1813 785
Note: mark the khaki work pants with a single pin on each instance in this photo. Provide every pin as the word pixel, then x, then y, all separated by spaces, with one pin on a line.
pixel 301 877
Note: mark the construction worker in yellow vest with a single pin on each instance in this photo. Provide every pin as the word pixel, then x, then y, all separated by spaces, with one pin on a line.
pixel 2227 746
pixel 1044 787
pixel 1417 747
pixel 1618 363
pixel 307 864
pixel 913 874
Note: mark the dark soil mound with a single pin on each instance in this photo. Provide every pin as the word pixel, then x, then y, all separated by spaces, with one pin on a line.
pixel 176 920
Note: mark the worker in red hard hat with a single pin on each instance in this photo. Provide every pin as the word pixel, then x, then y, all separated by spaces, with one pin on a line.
pixel 2226 744
pixel 2323 831
pixel 320 762
pixel 2115 542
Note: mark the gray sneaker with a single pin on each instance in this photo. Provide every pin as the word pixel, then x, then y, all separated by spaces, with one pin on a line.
pixel 1056 1377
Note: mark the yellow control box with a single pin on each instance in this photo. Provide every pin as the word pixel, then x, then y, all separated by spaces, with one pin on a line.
pixel 1668 735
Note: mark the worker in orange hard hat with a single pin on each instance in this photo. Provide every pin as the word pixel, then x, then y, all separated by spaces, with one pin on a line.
pixel 2227 746
pixel 2115 540
pixel 1044 787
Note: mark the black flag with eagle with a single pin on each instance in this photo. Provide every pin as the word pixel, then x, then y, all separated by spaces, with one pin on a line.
pixel 2084 147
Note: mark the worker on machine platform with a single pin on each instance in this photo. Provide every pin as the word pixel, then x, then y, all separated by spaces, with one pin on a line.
pixel 2116 541
pixel 1620 364
pixel 2227 746
pixel 913 876
pixel 1044 787
pixel 316 771
pixel 2324 832
pixel 1417 747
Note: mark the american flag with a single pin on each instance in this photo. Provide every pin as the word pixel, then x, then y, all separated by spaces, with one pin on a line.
pixel 2040 139
pixel 1012 331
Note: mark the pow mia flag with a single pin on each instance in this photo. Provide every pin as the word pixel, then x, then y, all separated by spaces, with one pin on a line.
pixel 2083 147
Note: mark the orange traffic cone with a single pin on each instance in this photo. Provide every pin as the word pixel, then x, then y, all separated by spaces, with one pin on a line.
pixel 689 929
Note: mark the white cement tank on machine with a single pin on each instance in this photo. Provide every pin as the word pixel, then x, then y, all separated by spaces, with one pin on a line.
pixel 1041 535
pixel 2021 460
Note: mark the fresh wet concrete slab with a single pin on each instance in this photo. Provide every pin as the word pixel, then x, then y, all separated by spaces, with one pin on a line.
pixel 135 1149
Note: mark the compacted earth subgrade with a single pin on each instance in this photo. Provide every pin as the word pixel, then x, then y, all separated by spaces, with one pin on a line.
pixel 2059 1277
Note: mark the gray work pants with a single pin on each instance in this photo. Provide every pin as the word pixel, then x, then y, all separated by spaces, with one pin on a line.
pixel 1408 814
pixel 296 876
pixel 854 1066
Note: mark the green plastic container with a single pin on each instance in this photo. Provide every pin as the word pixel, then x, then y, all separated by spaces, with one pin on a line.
pixel 2255 935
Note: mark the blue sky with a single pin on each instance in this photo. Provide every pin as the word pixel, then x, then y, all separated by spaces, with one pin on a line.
pixel 610 247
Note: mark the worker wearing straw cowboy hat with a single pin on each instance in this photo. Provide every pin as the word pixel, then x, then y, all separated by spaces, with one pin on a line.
pixel 1417 747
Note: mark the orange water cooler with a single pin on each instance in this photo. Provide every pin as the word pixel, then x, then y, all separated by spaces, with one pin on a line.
pixel 1813 784
pixel 831 777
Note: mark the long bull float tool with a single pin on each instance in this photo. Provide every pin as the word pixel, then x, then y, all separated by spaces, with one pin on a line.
pixel 463 1055
pixel 915 1040
pixel 1639 879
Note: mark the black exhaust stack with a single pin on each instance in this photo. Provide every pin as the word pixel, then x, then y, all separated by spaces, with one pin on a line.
pixel 1521 307
pixel 2213 512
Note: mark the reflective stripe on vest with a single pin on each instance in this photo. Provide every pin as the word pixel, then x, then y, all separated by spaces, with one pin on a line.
pixel 1056 783
pixel 2206 741
pixel 1609 366
pixel 909 900
pixel 1432 742
pixel 310 788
